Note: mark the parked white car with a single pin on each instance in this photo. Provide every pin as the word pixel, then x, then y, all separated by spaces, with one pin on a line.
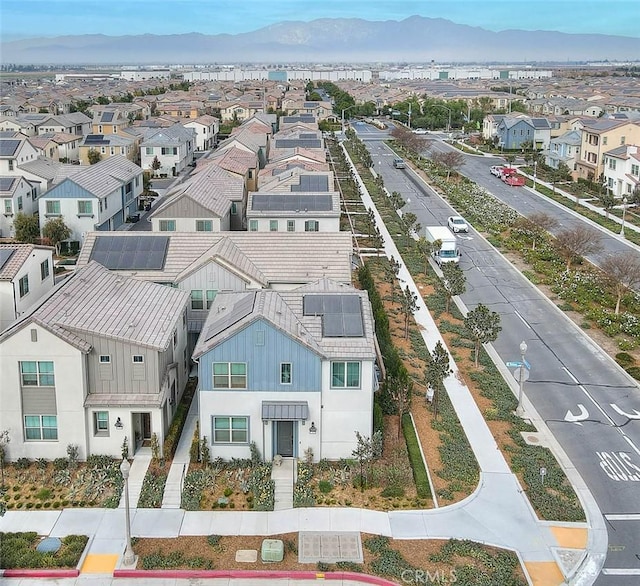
pixel 457 224
pixel 496 170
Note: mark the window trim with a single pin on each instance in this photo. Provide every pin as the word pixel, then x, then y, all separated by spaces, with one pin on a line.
pixel 99 431
pixel 44 269
pixel 229 375
pixel 230 430
pixel 39 374
pixel 41 427
pixel 345 374
pixel 167 225
pixel 195 299
pixel 204 225
pixel 134 356
pixel 282 373
pixel 253 225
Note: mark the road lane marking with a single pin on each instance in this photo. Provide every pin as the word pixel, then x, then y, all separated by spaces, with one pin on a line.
pixel 621 517
pixel 618 466
pixel 522 318
pixel 621 571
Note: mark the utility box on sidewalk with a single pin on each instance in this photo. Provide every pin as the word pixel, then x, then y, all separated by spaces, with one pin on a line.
pixel 272 550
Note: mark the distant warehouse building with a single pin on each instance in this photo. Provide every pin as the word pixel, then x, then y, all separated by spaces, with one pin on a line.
pixel 144 75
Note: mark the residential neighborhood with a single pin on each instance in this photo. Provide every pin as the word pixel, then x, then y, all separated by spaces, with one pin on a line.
pixel 225 312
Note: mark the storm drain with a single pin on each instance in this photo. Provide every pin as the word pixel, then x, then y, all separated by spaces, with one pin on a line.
pixel 329 547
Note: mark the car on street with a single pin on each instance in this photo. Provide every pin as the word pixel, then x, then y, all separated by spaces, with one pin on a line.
pixel 496 170
pixel 399 163
pixel 457 224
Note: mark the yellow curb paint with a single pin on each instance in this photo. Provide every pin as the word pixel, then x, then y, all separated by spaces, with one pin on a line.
pixel 573 537
pixel 544 573
pixel 99 563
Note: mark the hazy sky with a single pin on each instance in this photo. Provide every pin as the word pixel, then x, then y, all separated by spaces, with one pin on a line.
pixel 32 18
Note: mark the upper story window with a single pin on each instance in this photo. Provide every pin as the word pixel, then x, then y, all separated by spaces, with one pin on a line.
pixel 148 150
pixel 197 300
pixel 53 207
pixel 234 208
pixel 211 295
pixel 612 164
pixel 23 285
pixel 138 359
pixel 291 225
pixel 204 226
pixel 105 358
pixel 635 170
pixel 37 374
pixel 85 208
pixel 229 375
pixel 10 164
pixel 311 226
pixel 253 225
pixel 167 225
pixel 273 225
pixel 285 373
pixel 8 206
pixel 345 375
pixel 44 269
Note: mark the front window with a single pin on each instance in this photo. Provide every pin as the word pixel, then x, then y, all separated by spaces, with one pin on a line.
pixel 105 358
pixel 23 284
pixel 148 150
pixel 40 427
pixel 635 170
pixel 273 225
pixel 285 373
pixel 44 269
pixel 8 206
pixel 230 430
pixel 311 226
pixel 167 225
pixel 85 208
pixel 204 226
pixel 53 207
pixel 37 374
pixel 253 225
pixel 197 299
pixel 19 202
pixel 101 423
pixel 229 375
pixel 345 375
pixel 291 225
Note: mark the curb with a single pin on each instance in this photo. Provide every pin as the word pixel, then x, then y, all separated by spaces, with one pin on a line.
pixel 40 573
pixel 252 574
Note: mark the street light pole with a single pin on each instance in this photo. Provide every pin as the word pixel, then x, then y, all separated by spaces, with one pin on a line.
pixel 535 167
pixel 129 556
pixel 523 351
pixel 624 209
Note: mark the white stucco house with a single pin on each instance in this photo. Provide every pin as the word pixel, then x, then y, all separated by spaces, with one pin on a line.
pixel 622 170
pixel 206 128
pixel 17 196
pixel 103 357
pixel 173 147
pixel 26 276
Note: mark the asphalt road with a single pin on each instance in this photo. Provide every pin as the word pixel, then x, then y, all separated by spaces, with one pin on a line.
pixel 571 378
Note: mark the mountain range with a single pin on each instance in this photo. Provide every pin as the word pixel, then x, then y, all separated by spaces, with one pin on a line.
pixel 416 39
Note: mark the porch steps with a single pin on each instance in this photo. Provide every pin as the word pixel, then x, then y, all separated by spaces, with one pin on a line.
pixel 137 473
pixel 282 476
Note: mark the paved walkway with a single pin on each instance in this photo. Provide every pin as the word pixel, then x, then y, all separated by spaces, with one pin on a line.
pixel 139 468
pixel 172 497
pixel 282 476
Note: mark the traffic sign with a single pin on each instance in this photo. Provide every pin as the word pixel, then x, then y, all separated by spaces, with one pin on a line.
pixel 514 364
pixel 521 373
pixel 526 364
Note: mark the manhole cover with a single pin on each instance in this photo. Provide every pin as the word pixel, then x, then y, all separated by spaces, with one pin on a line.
pixel 49 545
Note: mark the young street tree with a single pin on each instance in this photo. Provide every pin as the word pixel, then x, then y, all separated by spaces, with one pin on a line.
pixel 437 370
pixel 26 228
pixel 56 231
pixel 574 243
pixel 378 241
pixel 453 281
pixel 408 306
pixel 537 225
pixel 409 225
pixel 483 325
pixel 155 165
pixel 396 200
pixel 366 451
pixel 400 389
pixel 426 248
pixel 623 270
pixel 451 160
pixel 391 270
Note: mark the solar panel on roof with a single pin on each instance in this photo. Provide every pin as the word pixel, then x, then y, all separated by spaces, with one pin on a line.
pixel 5 255
pixel 282 202
pixel 8 147
pixel 307 135
pixel 131 253
pixel 341 314
pixel 292 143
pixel 6 183
pixel 312 183
pixel 94 139
pixel 107 116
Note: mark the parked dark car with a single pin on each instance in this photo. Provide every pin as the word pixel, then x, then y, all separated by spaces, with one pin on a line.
pixel 133 218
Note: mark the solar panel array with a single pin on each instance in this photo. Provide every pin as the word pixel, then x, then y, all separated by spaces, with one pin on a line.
pixel 107 116
pixel 5 255
pixel 315 202
pixel 240 310
pixel 312 183
pixel 292 143
pixel 131 253
pixel 95 139
pixel 341 314
pixel 8 147
pixel 6 183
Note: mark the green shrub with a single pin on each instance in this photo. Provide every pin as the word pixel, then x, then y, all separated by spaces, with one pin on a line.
pixel 43 494
pixel 228 492
pixel 175 431
pixel 634 371
pixel 624 359
pixel 415 457
pixel 22 463
pixel 393 491
pixel 60 464
pixel 325 486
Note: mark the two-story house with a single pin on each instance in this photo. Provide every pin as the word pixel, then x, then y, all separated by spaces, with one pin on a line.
pixel 14 152
pixel 103 358
pixel 68 145
pixel 212 200
pixel 622 170
pixel 290 371
pixel 106 145
pixel 513 133
pixel 600 136
pixel 173 147
pixel 564 149
pixel 26 275
pixel 17 196
pixel 97 197
pixel 206 128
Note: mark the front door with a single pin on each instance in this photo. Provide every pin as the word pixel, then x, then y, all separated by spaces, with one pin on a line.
pixel 284 438
pixel 146 426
